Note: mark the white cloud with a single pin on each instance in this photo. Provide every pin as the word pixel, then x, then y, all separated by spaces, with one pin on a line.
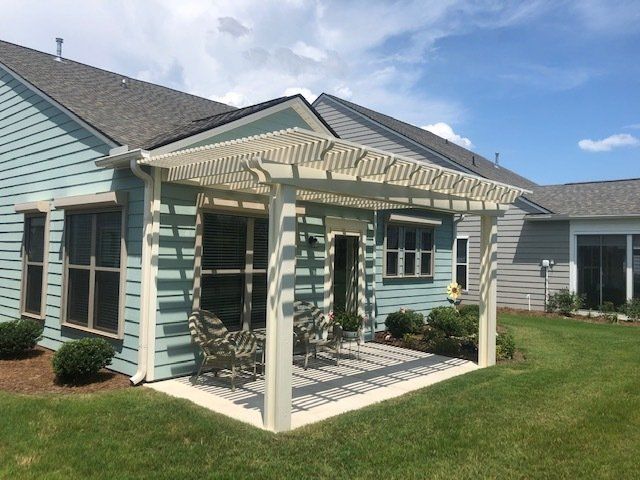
pixel 244 52
pixel 305 92
pixel 232 26
pixel 445 131
pixel 607 144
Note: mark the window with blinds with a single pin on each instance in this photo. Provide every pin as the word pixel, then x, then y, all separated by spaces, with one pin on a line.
pixel 234 269
pixel 93 273
pixel 33 267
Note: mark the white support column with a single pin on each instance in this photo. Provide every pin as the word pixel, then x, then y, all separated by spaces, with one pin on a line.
pixel 281 282
pixel 629 272
pixel 488 290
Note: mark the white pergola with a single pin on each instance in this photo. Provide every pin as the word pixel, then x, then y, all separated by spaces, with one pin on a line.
pixel 299 165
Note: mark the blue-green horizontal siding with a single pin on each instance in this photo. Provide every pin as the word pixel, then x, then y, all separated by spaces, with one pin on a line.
pixel 44 154
pixel 417 294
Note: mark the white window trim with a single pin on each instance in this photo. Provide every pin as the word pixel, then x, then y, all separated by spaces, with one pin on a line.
pixel 45 265
pixel 350 227
pixel 418 252
pixel 205 207
pixel 455 260
pixel 119 334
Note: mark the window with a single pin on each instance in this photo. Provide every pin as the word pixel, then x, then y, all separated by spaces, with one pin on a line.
pixel 601 262
pixel 408 251
pixel 462 262
pixel 234 269
pixel 94 259
pixel 34 261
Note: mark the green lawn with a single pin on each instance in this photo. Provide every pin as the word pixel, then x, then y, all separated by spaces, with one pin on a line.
pixel 570 410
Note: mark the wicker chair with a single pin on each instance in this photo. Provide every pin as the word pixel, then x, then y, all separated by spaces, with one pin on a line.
pixel 220 348
pixel 312 330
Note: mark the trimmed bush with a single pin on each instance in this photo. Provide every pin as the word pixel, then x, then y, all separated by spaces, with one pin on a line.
pixel 473 310
pixel 18 336
pixel 452 323
pixel 80 360
pixel 505 346
pixel 564 302
pixel 404 321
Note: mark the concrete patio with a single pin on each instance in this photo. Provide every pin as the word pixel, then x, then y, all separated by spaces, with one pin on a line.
pixel 324 389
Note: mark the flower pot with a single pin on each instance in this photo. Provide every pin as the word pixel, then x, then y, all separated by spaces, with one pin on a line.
pixel 349 335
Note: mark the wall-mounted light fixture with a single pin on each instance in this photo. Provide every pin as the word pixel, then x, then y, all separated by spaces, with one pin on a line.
pixel 312 241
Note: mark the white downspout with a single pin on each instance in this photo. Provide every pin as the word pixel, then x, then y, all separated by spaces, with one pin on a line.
pixel 146 271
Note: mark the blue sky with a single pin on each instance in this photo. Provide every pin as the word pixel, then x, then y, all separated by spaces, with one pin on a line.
pixel 554 86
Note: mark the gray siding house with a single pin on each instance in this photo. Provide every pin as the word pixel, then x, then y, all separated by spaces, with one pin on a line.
pixel 541 228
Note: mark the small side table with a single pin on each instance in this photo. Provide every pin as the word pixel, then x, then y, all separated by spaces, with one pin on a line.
pixel 350 338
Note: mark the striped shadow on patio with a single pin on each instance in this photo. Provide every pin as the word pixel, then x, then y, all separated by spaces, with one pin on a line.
pixel 324 389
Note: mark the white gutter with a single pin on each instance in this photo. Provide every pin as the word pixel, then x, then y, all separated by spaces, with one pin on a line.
pixel 147 271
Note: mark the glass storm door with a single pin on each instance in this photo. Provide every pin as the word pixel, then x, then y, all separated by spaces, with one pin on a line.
pixel 601 269
pixel 345 273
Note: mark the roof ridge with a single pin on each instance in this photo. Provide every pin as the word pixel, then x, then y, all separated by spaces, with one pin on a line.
pixel 116 73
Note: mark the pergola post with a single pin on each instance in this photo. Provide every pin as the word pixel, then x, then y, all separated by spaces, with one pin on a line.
pixel 488 290
pixel 281 283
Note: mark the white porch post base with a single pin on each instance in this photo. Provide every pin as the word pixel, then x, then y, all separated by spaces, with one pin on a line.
pixel 281 282
pixel 488 290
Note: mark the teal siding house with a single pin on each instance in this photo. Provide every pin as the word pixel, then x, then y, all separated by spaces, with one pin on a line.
pixel 125 205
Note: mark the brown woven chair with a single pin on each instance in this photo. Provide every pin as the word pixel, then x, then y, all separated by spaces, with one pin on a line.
pixel 312 330
pixel 220 348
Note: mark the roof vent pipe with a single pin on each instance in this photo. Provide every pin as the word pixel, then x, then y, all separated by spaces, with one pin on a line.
pixel 59 41
pixel 497 162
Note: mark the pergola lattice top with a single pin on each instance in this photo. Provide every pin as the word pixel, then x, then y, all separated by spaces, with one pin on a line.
pixel 390 180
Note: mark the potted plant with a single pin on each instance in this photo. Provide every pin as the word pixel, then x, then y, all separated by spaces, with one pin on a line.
pixel 350 323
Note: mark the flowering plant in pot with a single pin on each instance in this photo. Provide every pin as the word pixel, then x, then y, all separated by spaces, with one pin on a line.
pixel 350 322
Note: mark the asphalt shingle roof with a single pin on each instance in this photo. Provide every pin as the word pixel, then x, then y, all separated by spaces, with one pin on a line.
pixel 128 114
pixel 463 157
pixel 613 197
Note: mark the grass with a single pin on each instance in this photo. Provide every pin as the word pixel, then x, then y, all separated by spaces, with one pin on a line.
pixel 570 410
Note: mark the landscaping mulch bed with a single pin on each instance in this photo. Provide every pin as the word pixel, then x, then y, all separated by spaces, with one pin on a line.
pixel 33 374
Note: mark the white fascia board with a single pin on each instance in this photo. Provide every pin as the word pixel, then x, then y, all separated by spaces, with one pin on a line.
pixel 58 105
pixel 121 159
pixel 294 103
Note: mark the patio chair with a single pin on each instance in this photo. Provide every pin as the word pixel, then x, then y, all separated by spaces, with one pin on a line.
pixel 312 331
pixel 220 348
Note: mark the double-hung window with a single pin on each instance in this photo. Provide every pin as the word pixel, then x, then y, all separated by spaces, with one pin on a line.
pixel 34 261
pixel 94 270
pixel 462 262
pixel 409 251
pixel 234 269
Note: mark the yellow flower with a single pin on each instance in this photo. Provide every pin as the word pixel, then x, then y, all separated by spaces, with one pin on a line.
pixel 454 290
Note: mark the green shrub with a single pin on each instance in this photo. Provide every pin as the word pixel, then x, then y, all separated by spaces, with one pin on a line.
pixel 452 323
pixel 607 307
pixel 18 336
pixel 564 301
pixel 632 309
pixel 447 346
pixel 404 321
pixel 472 310
pixel 505 346
pixel 79 360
